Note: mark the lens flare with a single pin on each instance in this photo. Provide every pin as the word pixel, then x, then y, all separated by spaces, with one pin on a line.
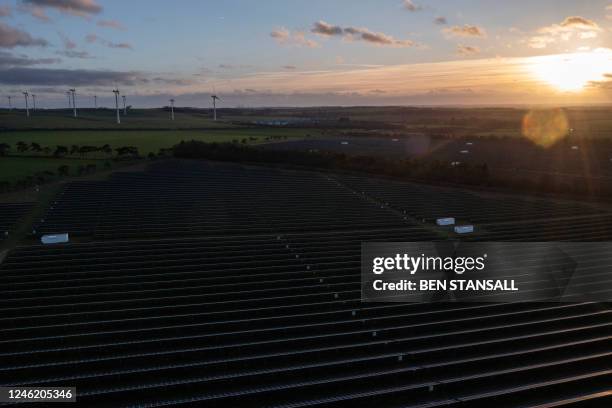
pixel 545 127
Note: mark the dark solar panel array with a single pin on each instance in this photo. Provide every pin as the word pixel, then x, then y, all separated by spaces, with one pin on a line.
pixel 426 202
pixel 495 217
pixel 10 214
pixel 256 317
pixel 181 200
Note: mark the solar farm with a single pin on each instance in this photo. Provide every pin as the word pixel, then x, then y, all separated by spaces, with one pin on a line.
pixel 221 284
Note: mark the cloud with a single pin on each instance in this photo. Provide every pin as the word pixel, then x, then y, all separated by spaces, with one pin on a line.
pixel 12 37
pixel 110 24
pixel 72 77
pixel 539 41
pixel 75 54
pixel 467 50
pixel 10 60
pixel 411 6
pixel 571 27
pixel 70 50
pixel 92 38
pixel 234 67
pixel 68 43
pixel 359 34
pixel 376 38
pixel 5 11
pixel 580 23
pixel 465 31
pixel 174 81
pixel 35 11
pixel 280 34
pixel 323 28
pixel 81 8
pixel 440 20
pixel 296 39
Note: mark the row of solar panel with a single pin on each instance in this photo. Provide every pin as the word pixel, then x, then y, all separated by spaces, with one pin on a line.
pixel 10 215
pixel 263 307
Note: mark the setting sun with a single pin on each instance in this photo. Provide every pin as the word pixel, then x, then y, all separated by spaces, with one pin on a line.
pixel 572 72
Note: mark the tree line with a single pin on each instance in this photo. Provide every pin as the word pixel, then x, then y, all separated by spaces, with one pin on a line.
pixel 423 169
pixel 414 169
pixel 60 151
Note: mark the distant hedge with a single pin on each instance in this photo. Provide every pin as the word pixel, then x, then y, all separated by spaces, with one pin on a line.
pixel 426 170
pixel 423 170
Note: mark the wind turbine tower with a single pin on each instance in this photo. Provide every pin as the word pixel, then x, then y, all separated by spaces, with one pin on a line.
pixel 116 92
pixel 214 99
pixel 73 92
pixel 95 101
pixel 34 102
pixel 10 105
pixel 25 94
pixel 172 109
pixel 124 109
pixel 69 100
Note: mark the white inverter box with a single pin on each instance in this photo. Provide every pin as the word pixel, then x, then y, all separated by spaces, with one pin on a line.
pixel 55 239
pixel 446 221
pixel 464 229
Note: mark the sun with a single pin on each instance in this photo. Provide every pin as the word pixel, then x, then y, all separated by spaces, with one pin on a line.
pixel 572 72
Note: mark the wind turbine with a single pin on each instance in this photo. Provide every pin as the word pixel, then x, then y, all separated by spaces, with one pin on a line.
pixel 34 102
pixel 172 108
pixel 10 105
pixel 69 100
pixel 25 94
pixel 116 92
pixel 95 101
pixel 214 99
pixel 73 91
pixel 124 109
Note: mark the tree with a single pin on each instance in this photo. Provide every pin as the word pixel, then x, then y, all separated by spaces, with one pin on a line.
pixel 22 147
pixel 60 151
pixel 4 148
pixel 47 150
pixel 35 147
pixel 106 149
pixel 74 149
pixel 84 150
pixel 130 151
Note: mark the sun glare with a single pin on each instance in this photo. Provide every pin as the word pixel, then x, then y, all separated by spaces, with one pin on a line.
pixel 572 72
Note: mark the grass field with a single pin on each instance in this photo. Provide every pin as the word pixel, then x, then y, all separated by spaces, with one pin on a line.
pixel 146 140
pixel 16 168
pixel 148 130
pixel 105 119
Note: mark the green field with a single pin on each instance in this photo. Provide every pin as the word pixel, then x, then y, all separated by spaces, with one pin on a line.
pixel 146 140
pixel 105 119
pixel 17 168
pixel 148 130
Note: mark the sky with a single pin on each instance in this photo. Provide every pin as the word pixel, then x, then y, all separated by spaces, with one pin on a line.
pixel 307 53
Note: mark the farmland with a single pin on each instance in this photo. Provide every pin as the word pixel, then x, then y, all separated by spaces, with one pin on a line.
pixel 475 136
pixel 147 130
